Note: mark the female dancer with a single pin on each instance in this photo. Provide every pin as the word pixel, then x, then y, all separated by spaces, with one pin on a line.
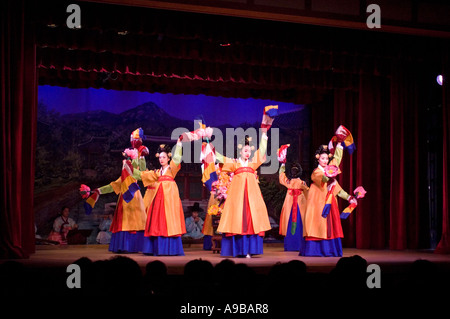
pixel 128 223
pixel 294 207
pixel 323 232
pixel 244 218
pixel 165 218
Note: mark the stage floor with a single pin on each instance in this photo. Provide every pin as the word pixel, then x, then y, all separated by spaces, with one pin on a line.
pixel 388 260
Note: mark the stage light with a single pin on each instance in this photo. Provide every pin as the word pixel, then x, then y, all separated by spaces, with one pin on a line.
pixel 125 32
pixel 440 79
pixel 51 25
pixel 225 44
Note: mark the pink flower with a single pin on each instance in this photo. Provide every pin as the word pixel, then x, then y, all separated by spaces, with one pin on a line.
pixel 359 192
pixel 85 191
pixel 331 170
pixel 131 153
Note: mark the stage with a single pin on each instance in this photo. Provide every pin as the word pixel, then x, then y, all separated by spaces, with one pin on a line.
pixel 390 261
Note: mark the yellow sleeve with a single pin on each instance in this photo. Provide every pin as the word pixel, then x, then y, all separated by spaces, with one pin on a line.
pixel 343 194
pixel 282 176
pixel 229 164
pixel 337 157
pixel 317 177
pixel 149 177
pixel 178 154
pixel 174 167
pixel 116 185
pixel 263 146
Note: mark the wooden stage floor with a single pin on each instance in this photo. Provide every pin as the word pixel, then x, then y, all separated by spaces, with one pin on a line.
pixel 388 260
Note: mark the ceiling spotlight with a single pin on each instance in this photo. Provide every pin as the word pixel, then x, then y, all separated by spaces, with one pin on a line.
pixel 440 79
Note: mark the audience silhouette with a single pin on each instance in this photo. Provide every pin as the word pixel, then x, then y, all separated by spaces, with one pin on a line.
pixel 201 280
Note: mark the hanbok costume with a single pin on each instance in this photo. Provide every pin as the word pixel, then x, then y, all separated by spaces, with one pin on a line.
pixel 323 233
pixel 208 230
pixel 293 212
pixel 244 218
pixel 150 191
pixel 165 222
pixel 128 224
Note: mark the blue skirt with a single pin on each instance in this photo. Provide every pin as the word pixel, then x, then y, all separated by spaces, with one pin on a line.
pixel 163 246
pixel 241 245
pixel 126 242
pixel 296 241
pixel 207 242
pixel 322 248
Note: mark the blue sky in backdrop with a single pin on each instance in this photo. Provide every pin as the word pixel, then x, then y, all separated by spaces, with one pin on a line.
pixel 215 110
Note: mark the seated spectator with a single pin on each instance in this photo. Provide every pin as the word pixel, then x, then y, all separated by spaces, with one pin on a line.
pixel 61 227
pixel 104 235
pixel 194 223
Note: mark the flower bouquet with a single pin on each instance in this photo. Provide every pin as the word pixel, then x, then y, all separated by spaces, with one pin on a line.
pixel 220 191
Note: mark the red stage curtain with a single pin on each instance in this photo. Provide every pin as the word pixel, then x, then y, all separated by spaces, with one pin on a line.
pixel 344 114
pixel 372 145
pixel 384 116
pixel 18 125
pixel 408 192
pixel 444 244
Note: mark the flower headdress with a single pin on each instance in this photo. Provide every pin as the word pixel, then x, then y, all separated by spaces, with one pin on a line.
pixel 247 140
pixel 164 148
pixel 323 149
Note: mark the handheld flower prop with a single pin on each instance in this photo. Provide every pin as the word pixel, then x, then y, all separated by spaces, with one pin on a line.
pixel 131 153
pixel 331 171
pixel 359 192
pixel 214 210
pixel 91 197
pixel 85 191
pixel 221 186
